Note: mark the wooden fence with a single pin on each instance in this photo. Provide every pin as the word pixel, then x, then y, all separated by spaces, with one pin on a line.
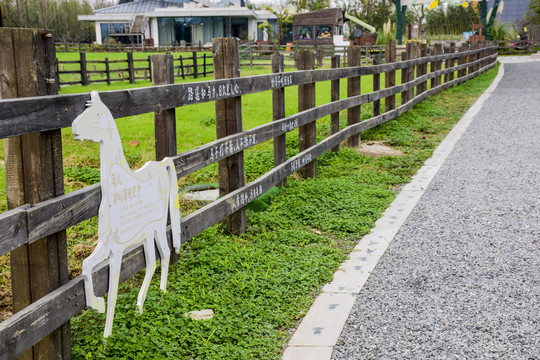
pixel 130 69
pixel 33 220
pixel 261 54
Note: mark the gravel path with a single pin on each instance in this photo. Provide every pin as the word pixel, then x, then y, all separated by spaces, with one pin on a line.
pixel 461 280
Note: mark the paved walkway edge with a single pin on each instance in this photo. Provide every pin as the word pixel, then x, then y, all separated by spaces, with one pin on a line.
pixel 320 329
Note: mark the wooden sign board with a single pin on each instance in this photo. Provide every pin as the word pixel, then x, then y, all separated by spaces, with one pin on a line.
pixel 134 208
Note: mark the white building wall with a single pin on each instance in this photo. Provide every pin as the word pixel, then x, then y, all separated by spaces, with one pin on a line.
pixel 252 29
pixel 155 35
pixel 98 33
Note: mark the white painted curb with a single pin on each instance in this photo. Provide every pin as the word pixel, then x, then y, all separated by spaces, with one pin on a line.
pixel 319 331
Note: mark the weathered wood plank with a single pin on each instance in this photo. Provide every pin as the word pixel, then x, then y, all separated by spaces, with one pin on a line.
pixel 353 89
pixel 450 62
pixel 462 60
pixel 376 86
pixel 164 120
pixel 412 50
pixel 390 76
pixel 422 68
pixel 334 96
pixel 13 229
pixel 436 65
pixel 404 80
pixel 278 113
pixel 40 267
pixel 131 70
pixel 24 116
pixel 83 71
pixel 229 122
pixel 307 135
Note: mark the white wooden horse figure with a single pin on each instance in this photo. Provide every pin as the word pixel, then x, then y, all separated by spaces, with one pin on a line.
pixel 133 208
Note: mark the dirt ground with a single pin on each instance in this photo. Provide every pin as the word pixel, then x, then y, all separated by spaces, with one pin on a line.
pixel 377 148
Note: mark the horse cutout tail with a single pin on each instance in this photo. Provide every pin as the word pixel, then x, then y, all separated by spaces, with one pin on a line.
pixel 174 204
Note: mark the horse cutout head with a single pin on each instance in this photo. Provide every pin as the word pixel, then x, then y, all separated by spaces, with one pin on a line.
pixel 134 208
pixel 95 121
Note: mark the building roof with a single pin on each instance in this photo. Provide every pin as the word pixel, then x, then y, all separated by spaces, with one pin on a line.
pixel 137 7
pixel 154 8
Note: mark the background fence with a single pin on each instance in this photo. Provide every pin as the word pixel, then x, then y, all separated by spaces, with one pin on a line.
pixel 33 230
pixel 87 72
pixel 261 54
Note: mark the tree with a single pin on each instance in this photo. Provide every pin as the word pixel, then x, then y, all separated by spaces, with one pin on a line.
pixel 451 19
pixel 284 15
pixel 533 14
pixel 310 5
pixel 374 12
pixel 59 16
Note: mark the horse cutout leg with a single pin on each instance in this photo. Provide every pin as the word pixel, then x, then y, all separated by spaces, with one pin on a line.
pixel 100 253
pixel 114 279
pixel 150 256
pixel 165 254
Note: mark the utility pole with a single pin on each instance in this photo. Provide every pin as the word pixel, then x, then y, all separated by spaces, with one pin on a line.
pixel 400 20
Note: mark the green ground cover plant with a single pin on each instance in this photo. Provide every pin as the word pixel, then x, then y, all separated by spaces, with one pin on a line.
pixel 259 284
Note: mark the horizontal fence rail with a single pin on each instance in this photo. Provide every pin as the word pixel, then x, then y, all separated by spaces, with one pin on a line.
pixel 28 223
pixel 29 115
pixel 119 47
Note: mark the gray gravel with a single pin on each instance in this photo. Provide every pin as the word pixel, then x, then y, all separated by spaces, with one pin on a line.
pixel 461 280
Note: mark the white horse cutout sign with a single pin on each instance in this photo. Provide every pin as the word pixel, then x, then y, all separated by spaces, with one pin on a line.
pixel 133 208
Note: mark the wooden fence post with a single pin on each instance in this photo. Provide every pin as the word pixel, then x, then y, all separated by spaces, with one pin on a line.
pixel 368 49
pixel 228 122
pixel 131 68
pixel 278 104
pixel 462 60
pixel 34 173
pixel 57 72
pixel 182 67
pixel 436 65
pixel 452 62
pixel 376 86
pixel 319 57
pixel 353 89
pixel 404 74
pixel 195 67
pixel 107 71
pixel 306 100
pixel 204 64
pixel 84 74
pixel 470 69
pixel 390 77
pixel 164 120
pixel 150 68
pixel 411 54
pixel 422 70
pixel 334 96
